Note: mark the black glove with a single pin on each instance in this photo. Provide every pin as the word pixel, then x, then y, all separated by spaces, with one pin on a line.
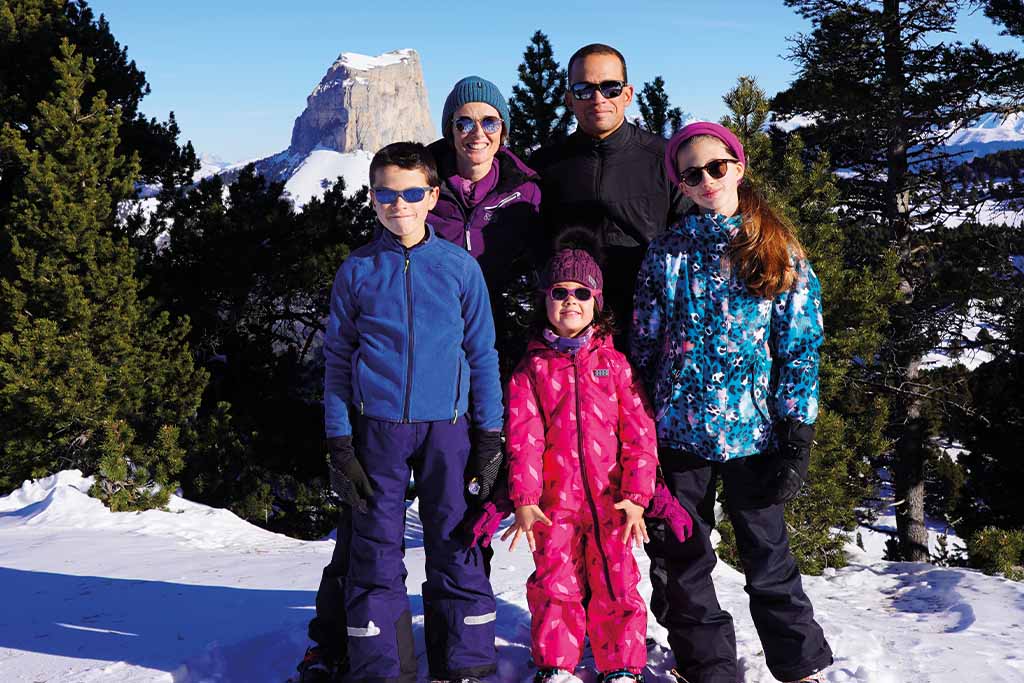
pixel 792 457
pixel 348 479
pixel 485 460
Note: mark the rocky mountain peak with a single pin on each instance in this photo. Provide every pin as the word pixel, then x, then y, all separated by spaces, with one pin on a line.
pixel 364 103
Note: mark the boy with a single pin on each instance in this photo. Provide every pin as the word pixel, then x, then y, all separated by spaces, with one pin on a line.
pixel 409 339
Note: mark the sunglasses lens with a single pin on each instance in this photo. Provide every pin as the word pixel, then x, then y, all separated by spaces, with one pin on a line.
pixel 717 169
pixel 693 176
pixel 583 91
pixel 413 194
pixel 491 125
pixel 611 89
pixel 385 196
pixel 559 293
pixel 581 294
pixel 464 124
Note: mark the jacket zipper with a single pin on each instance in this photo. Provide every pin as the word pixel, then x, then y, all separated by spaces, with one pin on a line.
pixel 408 302
pixel 458 389
pixel 586 483
pixel 503 202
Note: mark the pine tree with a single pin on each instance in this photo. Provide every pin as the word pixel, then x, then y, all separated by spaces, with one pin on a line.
pixel 30 37
pixel 855 300
pixel 537 106
pixel 885 93
pixel 656 113
pixel 1009 13
pixel 91 376
pixel 254 277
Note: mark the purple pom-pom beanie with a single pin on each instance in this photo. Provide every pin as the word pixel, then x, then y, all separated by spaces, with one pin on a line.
pixel 730 140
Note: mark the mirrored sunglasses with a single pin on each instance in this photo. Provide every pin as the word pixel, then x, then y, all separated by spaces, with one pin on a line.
pixel 585 91
pixel 717 169
pixel 385 195
pixel 579 293
pixel 466 125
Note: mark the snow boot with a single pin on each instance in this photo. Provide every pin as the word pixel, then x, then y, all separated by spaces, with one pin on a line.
pixel 555 676
pixel 317 667
pixel 620 676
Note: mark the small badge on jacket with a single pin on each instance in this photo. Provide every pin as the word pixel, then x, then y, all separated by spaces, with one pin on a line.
pixel 601 372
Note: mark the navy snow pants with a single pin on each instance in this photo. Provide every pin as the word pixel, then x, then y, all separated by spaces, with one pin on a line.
pixel 700 632
pixel 327 628
pixel 458 604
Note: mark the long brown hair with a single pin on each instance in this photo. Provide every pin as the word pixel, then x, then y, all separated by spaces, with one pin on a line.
pixel 762 250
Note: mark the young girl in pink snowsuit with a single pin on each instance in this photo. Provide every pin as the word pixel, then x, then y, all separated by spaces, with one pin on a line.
pixel 582 468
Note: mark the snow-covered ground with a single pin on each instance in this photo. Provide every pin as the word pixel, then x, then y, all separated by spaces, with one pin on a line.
pixel 195 594
pixel 321 168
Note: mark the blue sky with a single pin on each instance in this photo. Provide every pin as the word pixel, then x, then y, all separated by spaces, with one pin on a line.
pixel 236 74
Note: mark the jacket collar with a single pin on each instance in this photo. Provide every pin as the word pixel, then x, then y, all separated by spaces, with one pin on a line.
pixel 388 241
pixel 622 137
pixel 512 171
pixel 707 226
pixel 539 345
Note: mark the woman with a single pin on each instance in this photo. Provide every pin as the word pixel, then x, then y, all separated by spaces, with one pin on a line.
pixel 490 199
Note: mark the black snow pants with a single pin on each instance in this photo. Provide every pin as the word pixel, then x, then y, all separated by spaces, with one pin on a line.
pixel 700 632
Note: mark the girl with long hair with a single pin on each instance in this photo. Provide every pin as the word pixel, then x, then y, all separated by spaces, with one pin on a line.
pixel 726 330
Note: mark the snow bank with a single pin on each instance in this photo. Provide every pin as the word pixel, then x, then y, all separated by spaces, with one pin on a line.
pixel 61 502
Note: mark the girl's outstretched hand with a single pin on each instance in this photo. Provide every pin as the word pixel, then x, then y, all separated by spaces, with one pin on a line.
pixel 526 517
pixel 635 527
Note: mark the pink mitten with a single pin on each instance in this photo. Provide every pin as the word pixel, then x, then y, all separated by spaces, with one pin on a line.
pixel 665 506
pixel 482 524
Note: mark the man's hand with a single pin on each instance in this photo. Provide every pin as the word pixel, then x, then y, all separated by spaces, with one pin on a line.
pixel 348 479
pixel 635 527
pixel 526 517
pixel 792 458
pixel 485 461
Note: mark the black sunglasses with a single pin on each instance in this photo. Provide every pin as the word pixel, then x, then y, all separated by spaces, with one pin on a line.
pixel 385 195
pixel 466 125
pixel 580 293
pixel 717 168
pixel 585 91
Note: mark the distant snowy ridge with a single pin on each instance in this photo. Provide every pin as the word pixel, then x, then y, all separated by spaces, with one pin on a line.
pixel 991 133
pixel 989 129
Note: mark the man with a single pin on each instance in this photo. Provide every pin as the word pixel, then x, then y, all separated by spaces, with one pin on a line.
pixel 608 175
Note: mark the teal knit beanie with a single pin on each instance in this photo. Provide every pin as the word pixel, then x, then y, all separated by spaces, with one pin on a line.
pixel 473 89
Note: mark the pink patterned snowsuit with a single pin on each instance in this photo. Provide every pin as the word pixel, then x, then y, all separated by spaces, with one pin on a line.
pixel 581 438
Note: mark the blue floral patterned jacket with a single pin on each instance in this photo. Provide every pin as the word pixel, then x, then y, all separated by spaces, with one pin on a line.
pixel 721 364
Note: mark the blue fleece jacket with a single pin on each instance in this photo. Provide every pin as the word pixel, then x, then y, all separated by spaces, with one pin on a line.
pixel 410 337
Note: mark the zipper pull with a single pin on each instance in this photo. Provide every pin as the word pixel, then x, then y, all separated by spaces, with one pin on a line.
pixel 469 239
pixel 406 270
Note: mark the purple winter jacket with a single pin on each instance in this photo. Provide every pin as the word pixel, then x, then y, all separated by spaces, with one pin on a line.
pixel 503 231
